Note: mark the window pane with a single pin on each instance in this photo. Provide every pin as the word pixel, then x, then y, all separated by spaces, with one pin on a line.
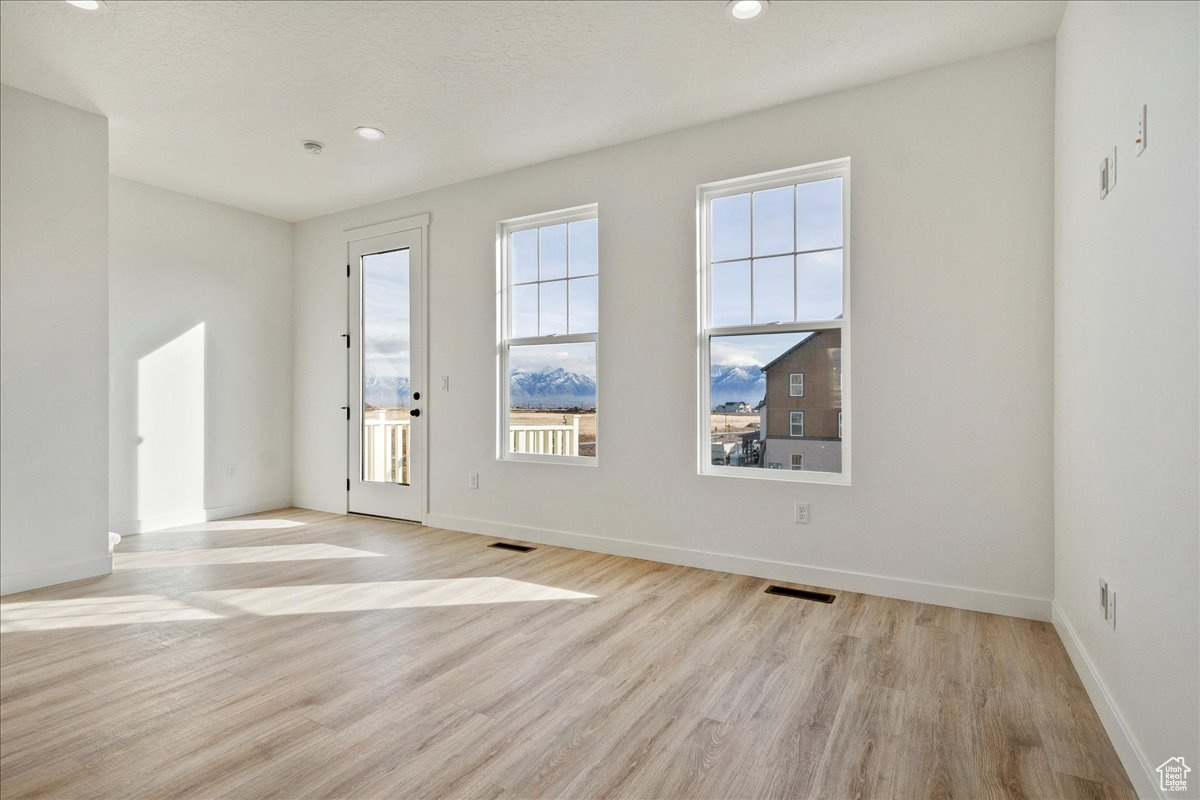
pixel 553 253
pixel 552 399
pixel 552 315
pixel 731 293
pixel 796 422
pixel 773 290
pixel 524 310
pixel 583 251
pixel 773 222
pixel 819 214
pixel 583 309
pixel 730 227
pixel 524 255
pixel 752 403
pixel 386 367
pixel 819 286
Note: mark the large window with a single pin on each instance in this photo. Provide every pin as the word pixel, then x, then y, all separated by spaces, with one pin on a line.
pixel 549 327
pixel 775 324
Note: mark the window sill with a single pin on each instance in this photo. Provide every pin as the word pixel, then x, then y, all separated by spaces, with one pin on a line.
pixel 784 475
pixel 531 458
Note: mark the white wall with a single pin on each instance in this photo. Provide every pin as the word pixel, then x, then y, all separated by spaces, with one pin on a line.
pixel 201 359
pixel 1126 342
pixel 53 342
pixel 952 236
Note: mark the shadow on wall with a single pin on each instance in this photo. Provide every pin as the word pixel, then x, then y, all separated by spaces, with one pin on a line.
pixel 170 433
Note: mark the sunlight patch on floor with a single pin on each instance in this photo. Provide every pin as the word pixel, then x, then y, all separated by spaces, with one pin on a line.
pixel 214 556
pixel 90 612
pixel 232 525
pixel 272 601
pixel 341 597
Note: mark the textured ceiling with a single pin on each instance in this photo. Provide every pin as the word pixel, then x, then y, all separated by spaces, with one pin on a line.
pixel 214 98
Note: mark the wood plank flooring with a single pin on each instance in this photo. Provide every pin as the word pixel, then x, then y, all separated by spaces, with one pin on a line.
pixel 296 654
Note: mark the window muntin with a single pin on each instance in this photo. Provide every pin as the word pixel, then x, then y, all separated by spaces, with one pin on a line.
pixel 773 266
pixel 549 331
pixel 797 461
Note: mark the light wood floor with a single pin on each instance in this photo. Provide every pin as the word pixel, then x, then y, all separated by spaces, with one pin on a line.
pixel 359 658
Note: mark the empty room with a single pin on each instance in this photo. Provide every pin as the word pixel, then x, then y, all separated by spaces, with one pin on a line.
pixel 623 399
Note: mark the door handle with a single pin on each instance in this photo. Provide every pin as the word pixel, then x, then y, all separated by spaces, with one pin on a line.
pixel 416 412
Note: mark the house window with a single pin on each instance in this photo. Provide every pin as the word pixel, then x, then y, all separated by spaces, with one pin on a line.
pixel 774 308
pixel 796 423
pixel 549 333
pixel 797 461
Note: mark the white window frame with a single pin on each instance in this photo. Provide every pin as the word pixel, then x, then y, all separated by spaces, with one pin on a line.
pixel 792 422
pixel 705 194
pixel 504 230
pixel 792 384
pixel 797 467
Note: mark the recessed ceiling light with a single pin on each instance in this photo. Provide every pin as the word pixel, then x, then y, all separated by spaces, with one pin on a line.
pixel 746 9
pixel 88 5
pixel 370 134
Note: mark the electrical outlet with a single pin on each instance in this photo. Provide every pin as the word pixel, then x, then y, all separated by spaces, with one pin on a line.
pixel 1112 170
pixel 1104 598
pixel 445 383
pixel 1112 609
pixel 1104 178
pixel 802 513
pixel 473 481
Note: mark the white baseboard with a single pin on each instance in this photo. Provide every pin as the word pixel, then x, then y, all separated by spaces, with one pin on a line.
pixel 1137 766
pixel 900 588
pixel 242 509
pixel 54 574
pixel 199 515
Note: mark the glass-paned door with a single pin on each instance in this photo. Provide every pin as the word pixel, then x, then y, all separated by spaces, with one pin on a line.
pixel 386 441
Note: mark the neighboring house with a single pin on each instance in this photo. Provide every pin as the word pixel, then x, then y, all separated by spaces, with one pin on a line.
pixel 802 416
pixel 733 407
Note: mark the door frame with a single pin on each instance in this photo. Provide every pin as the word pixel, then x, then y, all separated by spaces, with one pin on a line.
pixel 420 371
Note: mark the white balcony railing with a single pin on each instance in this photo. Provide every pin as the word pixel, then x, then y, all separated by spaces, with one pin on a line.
pixel 387 443
pixel 386 446
pixel 552 440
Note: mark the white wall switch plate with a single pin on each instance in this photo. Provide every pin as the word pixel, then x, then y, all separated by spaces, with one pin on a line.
pixel 473 481
pixel 1103 178
pixel 1140 141
pixel 1112 170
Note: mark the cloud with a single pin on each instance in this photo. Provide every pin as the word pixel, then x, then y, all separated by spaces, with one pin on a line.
pixel 734 356
pixel 578 358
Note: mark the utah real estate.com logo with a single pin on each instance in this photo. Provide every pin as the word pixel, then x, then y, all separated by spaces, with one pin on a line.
pixel 1172 775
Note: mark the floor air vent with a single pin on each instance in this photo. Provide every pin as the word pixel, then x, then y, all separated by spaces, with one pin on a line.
pixel 803 594
pixel 519 548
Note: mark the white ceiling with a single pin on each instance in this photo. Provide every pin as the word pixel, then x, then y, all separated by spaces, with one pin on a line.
pixel 214 98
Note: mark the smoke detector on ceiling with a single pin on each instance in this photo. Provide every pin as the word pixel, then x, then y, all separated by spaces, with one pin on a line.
pixel 313 148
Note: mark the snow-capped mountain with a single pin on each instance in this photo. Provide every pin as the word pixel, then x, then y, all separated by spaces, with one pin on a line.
pixel 386 392
pixel 554 387
pixel 551 387
pixel 732 384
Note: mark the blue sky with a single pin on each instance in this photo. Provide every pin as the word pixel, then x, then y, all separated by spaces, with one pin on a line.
pixel 386 325
pixel 763 278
